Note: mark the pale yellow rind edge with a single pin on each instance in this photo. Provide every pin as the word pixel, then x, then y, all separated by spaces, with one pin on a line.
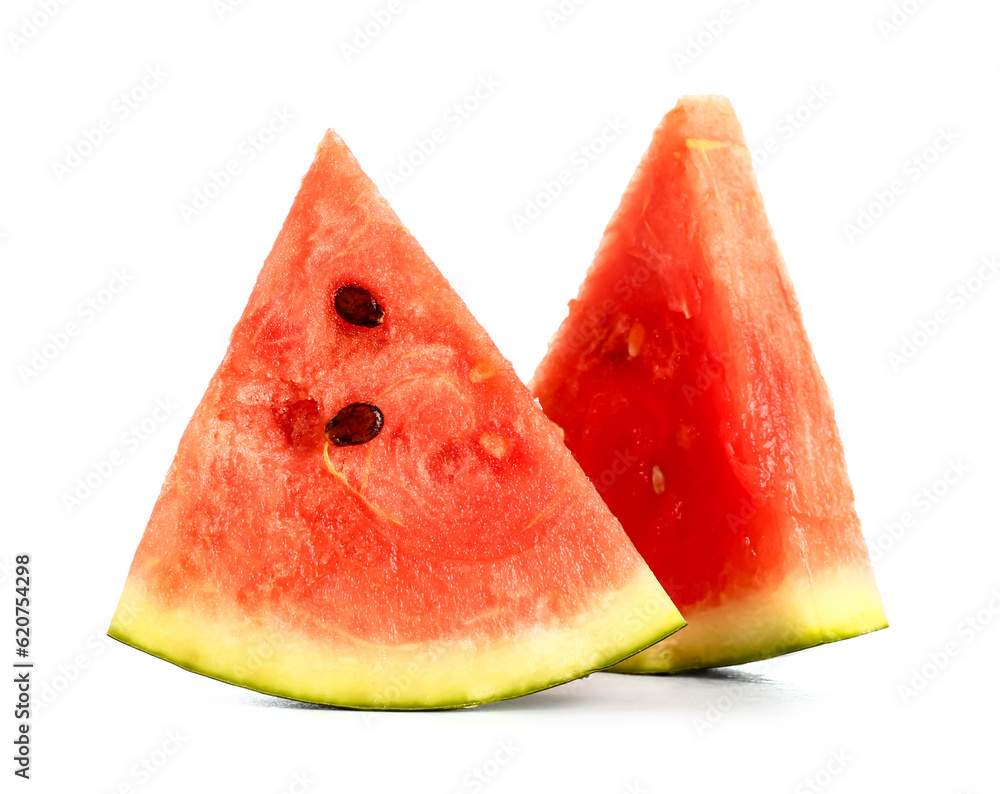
pixel 446 674
pixel 801 613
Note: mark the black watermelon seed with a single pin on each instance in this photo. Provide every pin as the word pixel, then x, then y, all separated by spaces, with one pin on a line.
pixel 357 306
pixel 357 423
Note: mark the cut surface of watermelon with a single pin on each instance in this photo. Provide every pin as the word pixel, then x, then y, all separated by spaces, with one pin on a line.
pixel 687 389
pixel 367 508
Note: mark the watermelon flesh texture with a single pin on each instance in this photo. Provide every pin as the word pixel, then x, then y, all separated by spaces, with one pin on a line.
pixel 460 556
pixel 688 391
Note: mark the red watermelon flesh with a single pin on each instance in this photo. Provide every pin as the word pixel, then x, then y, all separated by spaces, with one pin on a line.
pixel 688 391
pixel 450 553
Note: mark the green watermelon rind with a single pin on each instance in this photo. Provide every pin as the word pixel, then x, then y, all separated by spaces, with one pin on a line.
pixel 270 660
pixel 797 615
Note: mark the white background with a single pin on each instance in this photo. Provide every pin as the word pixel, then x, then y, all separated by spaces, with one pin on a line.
pixel 769 727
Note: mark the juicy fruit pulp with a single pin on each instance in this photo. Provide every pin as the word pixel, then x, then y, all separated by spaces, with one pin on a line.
pixel 687 390
pixel 367 508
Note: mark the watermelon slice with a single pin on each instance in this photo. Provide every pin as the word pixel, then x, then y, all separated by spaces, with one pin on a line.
pixel 688 391
pixel 367 508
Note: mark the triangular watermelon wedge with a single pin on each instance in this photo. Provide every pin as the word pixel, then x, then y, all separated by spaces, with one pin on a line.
pixel 685 351
pixel 367 508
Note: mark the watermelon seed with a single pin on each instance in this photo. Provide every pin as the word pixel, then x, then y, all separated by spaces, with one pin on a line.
pixel 483 370
pixel 496 445
pixel 686 435
pixel 357 306
pixel 357 423
pixel 659 481
pixel 636 335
